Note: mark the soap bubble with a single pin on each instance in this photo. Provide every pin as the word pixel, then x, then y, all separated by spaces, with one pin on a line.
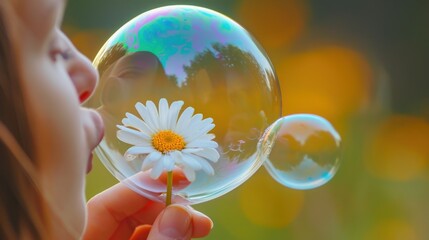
pixel 212 64
pixel 303 149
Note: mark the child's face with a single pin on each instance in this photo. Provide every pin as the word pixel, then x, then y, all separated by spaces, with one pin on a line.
pixel 56 79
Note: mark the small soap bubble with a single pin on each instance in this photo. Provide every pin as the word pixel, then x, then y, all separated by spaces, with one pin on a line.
pixel 303 151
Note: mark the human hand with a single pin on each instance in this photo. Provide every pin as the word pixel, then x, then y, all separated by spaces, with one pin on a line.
pixel 120 213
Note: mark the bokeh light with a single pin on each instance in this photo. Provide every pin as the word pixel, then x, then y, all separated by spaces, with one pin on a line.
pixel 276 23
pixel 399 149
pixel 331 81
pixel 393 229
pixel 269 204
pixel 87 40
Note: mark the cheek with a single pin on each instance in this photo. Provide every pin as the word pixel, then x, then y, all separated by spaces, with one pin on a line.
pixel 55 119
pixel 61 152
pixel 55 106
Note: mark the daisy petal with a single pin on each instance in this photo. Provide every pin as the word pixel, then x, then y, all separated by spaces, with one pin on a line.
pixel 163 113
pixel 205 126
pixel 191 126
pixel 144 114
pixel 135 150
pixel 168 162
pixel 150 160
pixel 205 129
pixel 147 165
pixel 190 161
pixel 191 150
pixel 198 132
pixel 136 122
pixel 130 136
pixel 174 113
pixel 204 164
pixel 209 136
pixel 202 144
pixel 206 137
pixel 207 168
pixel 189 173
pixel 208 153
pixel 153 112
pixel 157 169
pixel 176 155
pixel 184 119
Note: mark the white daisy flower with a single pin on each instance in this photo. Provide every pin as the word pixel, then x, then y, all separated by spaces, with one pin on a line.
pixel 164 139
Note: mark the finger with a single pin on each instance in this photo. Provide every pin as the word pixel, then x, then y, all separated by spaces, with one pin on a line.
pixel 145 216
pixel 107 210
pixel 180 222
pixel 141 232
pixel 202 225
pixel 175 222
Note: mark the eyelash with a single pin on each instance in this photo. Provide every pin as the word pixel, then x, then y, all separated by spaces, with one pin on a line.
pixel 64 54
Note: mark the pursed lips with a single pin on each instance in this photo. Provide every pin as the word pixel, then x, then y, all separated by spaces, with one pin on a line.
pixel 99 132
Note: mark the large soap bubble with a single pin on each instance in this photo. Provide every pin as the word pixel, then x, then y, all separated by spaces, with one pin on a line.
pixel 160 69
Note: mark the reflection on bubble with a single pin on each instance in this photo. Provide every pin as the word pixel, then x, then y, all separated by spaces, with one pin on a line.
pixel 209 62
pixel 303 151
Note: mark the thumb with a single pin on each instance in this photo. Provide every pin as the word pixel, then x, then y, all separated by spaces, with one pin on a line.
pixel 174 222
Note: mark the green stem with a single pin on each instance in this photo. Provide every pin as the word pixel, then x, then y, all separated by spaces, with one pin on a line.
pixel 169 187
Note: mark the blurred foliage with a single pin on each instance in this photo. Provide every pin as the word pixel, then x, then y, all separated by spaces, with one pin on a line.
pixel 360 64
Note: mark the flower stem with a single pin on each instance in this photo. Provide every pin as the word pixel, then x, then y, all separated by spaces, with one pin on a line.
pixel 169 187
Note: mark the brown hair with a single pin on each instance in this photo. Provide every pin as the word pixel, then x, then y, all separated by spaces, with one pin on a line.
pixel 21 209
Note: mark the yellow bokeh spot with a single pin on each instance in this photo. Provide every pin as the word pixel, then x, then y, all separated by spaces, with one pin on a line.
pixel 166 141
pixel 399 149
pixel 274 23
pixel 330 81
pixel 269 204
pixel 393 229
pixel 89 41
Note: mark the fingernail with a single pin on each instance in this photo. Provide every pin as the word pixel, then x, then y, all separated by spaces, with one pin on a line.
pixel 205 216
pixel 175 222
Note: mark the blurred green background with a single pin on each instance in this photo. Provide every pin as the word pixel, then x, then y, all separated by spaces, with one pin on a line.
pixel 360 64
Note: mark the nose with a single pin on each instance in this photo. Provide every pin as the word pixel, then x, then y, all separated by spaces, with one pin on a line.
pixel 80 70
pixel 83 75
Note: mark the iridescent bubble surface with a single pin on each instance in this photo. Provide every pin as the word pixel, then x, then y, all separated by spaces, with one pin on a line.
pixel 303 151
pixel 209 62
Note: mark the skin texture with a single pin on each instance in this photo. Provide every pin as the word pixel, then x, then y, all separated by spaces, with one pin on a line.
pixel 109 218
pixel 57 78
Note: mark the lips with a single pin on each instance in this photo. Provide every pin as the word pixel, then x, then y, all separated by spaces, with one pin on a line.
pixel 96 135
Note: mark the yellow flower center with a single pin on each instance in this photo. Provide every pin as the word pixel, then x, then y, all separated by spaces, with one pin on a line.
pixel 166 141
